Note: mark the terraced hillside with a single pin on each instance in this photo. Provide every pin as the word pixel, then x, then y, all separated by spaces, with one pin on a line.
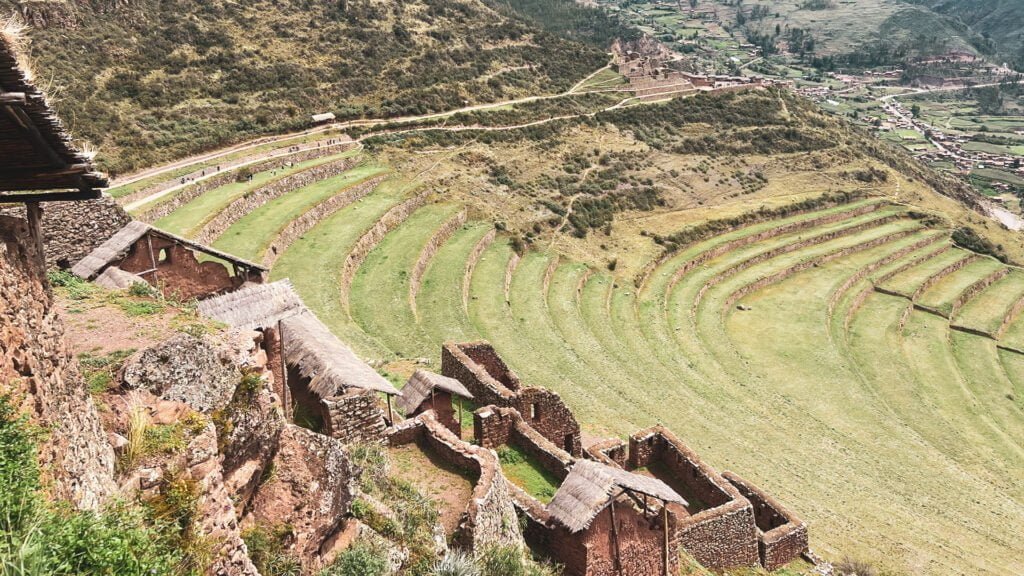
pixel 850 359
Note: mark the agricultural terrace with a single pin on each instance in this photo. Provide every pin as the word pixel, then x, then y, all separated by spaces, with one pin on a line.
pixel 849 359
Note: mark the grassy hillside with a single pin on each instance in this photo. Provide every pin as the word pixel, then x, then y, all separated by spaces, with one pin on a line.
pixel 151 80
pixel 1001 22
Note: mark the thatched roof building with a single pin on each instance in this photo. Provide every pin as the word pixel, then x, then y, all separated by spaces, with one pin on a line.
pixel 423 383
pixel 331 366
pixel 591 486
pixel 117 246
pixel 36 152
pixel 255 306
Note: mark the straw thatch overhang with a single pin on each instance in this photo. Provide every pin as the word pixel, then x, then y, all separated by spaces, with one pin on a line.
pixel 331 366
pixel 117 246
pixel 423 383
pixel 36 152
pixel 254 307
pixel 591 486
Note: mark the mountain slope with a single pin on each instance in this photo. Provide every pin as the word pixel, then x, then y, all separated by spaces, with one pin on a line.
pixel 147 80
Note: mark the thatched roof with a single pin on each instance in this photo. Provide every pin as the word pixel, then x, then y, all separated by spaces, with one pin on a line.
pixel 116 247
pixel 591 486
pixel 36 152
pixel 254 306
pixel 422 382
pixel 331 366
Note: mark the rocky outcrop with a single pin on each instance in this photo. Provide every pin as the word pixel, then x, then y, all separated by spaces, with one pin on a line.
pixel 71 230
pixel 37 369
pixel 249 428
pixel 216 518
pixel 199 372
pixel 310 490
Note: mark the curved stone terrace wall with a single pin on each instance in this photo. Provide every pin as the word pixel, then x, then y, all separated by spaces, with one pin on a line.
pixel 260 196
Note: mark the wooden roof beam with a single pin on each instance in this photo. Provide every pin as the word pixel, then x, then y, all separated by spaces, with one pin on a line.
pixel 12 98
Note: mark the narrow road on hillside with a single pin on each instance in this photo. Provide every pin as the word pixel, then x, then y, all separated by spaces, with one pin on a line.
pixel 338 126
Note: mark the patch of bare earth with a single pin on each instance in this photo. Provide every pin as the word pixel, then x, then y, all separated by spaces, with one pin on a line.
pixel 449 487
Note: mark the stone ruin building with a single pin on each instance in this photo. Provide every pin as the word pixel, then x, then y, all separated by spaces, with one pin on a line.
pixel 323 384
pixel 428 391
pixel 485 375
pixel 139 252
pixel 721 520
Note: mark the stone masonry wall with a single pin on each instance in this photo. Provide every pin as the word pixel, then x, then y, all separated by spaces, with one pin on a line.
pixel 751 239
pixel 304 223
pixel 427 253
pixel 482 371
pixel 256 198
pixel 193 191
pixel 494 426
pixel 354 416
pixel 613 452
pixel 71 230
pixel 635 548
pixel 490 517
pixel 37 368
pixel 782 536
pixel 471 262
pixel 724 534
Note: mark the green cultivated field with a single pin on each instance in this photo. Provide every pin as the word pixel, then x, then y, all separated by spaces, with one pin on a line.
pixel 899 439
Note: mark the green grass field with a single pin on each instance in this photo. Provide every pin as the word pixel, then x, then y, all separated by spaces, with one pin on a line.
pixel 897 438
pixel 250 236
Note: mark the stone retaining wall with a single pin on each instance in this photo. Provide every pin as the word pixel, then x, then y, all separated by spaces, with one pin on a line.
pixel 193 191
pixel 976 288
pixel 510 270
pixel 1010 317
pixel 441 235
pixel 260 196
pixel 310 218
pixel 478 366
pixel 494 427
pixel 471 263
pixel 748 240
pixel 71 230
pixel 548 273
pixel 38 370
pixel 838 294
pixel 490 516
pixel 786 249
pixel 811 263
pixel 934 278
pixel 782 537
pixel 369 240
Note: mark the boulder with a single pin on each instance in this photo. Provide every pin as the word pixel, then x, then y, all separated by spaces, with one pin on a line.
pixel 199 372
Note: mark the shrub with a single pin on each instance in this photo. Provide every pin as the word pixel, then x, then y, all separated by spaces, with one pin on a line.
pixel 268 551
pixel 73 286
pixel 851 567
pixel 455 564
pixel 360 559
pixel 967 238
pixel 37 537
